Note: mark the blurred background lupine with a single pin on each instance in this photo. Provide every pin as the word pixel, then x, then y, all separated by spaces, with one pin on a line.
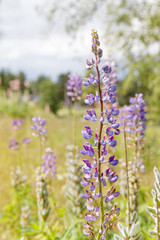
pixel 43 51
pixel 97 173
pixel 133 120
pixel 75 202
pixel 42 197
pixel 73 189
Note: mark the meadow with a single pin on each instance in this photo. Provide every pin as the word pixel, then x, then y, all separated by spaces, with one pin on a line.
pixel 50 188
pixel 59 136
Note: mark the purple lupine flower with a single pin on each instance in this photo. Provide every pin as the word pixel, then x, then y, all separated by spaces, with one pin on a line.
pixel 90 99
pixel 49 163
pixel 17 124
pixel 13 144
pixel 39 127
pixel 87 133
pixel 91 115
pixel 95 177
pixel 26 140
pixel 134 117
pixel 74 87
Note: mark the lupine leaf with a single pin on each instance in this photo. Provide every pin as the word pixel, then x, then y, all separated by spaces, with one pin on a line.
pixel 122 229
pixel 134 229
pixel 134 217
pixel 151 210
pixel 157 186
pixel 139 237
pixel 156 174
pixel 153 233
pixel 116 237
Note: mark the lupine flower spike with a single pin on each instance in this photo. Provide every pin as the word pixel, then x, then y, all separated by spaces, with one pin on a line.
pixel 97 173
pixel 155 211
pixel 74 92
pixel 39 128
pixel 75 201
pixel 42 196
pixel 17 177
pixel 49 163
pixel 134 118
pixel 74 87
pixel 25 214
pixel 131 231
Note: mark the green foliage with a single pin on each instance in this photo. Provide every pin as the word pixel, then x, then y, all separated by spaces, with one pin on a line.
pixel 7 76
pixel 49 95
pixel 133 27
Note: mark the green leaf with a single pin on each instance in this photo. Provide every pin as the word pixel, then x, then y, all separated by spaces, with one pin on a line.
pixel 134 217
pixel 116 237
pixel 151 210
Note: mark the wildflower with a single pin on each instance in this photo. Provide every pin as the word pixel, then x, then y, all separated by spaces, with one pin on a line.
pixel 95 177
pixel 26 140
pixel 25 214
pixel 42 196
pixel 74 87
pixel 48 164
pixel 13 144
pixel 17 177
pixel 39 127
pixel 75 201
pixel 17 123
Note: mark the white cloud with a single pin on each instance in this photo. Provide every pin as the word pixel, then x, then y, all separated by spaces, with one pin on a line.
pixel 24 46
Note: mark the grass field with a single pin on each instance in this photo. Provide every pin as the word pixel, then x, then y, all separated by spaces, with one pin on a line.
pixel 59 136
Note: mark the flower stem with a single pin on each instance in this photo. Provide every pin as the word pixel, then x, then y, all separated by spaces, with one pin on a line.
pixel 128 192
pixel 99 146
pixel 74 123
pixel 158 220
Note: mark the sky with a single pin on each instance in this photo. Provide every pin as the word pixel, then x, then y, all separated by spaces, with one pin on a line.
pixel 27 45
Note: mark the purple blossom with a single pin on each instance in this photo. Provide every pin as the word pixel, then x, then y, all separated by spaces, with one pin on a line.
pixel 17 123
pixel 134 118
pixel 87 133
pixel 13 144
pixel 48 163
pixel 39 127
pixel 90 99
pixel 74 87
pixel 97 176
pixel 26 140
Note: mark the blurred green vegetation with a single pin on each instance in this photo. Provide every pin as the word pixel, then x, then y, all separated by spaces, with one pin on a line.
pixel 59 136
pixel 132 31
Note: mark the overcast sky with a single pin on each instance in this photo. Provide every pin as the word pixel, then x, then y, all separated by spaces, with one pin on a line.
pixel 26 44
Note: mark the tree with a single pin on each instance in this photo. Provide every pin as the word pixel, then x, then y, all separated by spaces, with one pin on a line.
pixel 49 95
pixel 62 80
pixel 133 27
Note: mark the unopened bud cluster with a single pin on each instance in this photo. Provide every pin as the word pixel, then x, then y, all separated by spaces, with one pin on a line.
pixel 75 202
pixel 42 195
pixel 17 177
pixel 25 214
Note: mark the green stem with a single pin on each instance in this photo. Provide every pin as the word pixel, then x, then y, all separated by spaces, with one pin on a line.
pixel 40 142
pixel 74 123
pixel 99 147
pixel 158 220
pixel 128 192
